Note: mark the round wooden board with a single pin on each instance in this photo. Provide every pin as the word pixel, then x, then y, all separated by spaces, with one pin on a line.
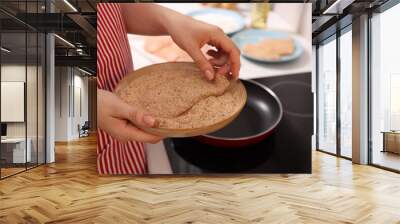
pixel 238 86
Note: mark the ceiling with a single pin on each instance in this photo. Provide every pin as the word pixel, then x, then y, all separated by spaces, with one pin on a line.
pixel 76 25
pixel 16 42
pixel 332 15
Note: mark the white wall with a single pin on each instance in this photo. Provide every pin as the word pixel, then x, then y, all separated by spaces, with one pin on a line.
pixel 67 117
pixel 61 103
pixel 15 72
pixel 81 83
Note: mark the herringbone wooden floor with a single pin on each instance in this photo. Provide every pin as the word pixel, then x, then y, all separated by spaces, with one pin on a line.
pixel 70 191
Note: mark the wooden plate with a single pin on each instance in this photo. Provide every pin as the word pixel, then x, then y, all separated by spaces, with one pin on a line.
pixel 165 132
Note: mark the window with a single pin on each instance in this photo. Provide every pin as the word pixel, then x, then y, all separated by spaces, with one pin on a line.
pixel 394 105
pixel 333 137
pixel 346 93
pixel 327 96
pixel 385 89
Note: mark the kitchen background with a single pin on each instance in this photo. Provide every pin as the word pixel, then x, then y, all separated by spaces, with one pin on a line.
pixel 290 80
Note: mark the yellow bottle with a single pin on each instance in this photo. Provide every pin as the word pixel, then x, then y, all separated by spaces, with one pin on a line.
pixel 259 15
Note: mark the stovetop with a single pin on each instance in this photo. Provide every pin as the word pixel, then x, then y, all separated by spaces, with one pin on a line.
pixel 287 150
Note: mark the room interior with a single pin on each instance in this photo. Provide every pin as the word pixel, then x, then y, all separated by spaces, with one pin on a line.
pixel 27 96
pixel 49 122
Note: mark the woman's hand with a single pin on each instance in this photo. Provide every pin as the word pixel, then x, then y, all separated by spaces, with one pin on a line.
pixel 191 35
pixel 121 120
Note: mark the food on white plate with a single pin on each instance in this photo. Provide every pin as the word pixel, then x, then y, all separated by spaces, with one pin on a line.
pixel 180 97
pixel 270 49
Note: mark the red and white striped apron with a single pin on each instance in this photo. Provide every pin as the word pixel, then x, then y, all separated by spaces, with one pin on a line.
pixel 114 60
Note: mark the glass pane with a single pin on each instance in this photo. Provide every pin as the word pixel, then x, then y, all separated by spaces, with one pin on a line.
pixel 31 98
pixel 41 98
pixel 385 83
pixel 327 97
pixel 13 86
pixel 346 94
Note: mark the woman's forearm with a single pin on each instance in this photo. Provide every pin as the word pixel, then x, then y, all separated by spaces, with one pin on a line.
pixel 148 19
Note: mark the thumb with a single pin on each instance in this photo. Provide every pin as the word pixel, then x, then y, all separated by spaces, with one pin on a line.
pixel 135 116
pixel 201 61
pixel 140 118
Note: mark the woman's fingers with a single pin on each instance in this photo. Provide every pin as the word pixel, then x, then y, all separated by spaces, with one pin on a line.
pixel 137 117
pixel 224 69
pixel 140 118
pixel 201 61
pixel 225 44
pixel 219 58
pixel 134 133
pixel 128 132
pixel 213 53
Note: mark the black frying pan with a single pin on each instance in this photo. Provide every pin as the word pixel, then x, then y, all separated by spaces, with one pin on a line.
pixel 261 114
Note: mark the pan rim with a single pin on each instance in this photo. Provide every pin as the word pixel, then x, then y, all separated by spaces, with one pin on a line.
pixel 272 127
